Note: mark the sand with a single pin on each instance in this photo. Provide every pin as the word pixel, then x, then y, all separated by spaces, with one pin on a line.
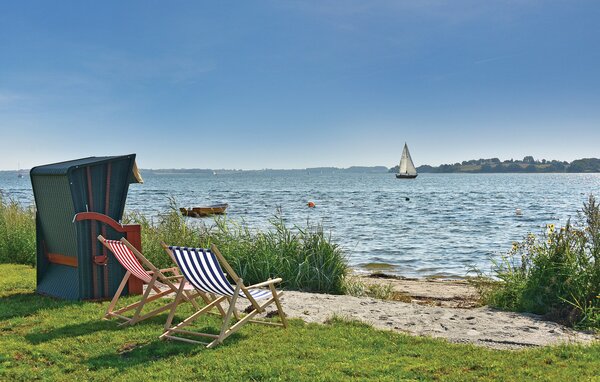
pixel 443 309
pixel 446 309
pixel 434 292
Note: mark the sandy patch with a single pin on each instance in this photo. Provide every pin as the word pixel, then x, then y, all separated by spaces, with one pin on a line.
pixel 433 292
pixel 479 326
pixel 437 308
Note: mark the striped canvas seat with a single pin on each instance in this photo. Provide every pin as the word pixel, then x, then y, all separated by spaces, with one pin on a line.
pixel 202 269
pixel 128 260
pixel 138 266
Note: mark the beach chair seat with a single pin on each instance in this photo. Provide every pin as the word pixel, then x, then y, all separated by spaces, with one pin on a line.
pixel 202 269
pixel 155 279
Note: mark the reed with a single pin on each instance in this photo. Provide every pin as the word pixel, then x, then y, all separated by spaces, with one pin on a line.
pixel 17 232
pixel 305 257
pixel 556 274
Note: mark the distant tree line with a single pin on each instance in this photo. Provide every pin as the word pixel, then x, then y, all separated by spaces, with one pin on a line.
pixel 527 165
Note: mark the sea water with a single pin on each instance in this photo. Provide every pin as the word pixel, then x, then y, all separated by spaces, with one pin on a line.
pixel 435 225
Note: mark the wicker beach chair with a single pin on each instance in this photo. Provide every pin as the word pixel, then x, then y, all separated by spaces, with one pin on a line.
pixel 202 269
pixel 155 279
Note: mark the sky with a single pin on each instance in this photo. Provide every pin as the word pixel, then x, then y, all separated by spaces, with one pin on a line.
pixel 295 84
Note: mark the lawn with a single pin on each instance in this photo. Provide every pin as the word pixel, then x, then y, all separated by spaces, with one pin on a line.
pixel 48 339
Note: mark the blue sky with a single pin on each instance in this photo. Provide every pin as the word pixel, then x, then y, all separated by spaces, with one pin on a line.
pixel 293 84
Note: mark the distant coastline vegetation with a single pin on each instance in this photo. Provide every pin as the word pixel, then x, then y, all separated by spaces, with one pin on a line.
pixel 526 165
pixel 474 166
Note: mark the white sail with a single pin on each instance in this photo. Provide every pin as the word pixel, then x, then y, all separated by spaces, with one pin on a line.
pixel 406 167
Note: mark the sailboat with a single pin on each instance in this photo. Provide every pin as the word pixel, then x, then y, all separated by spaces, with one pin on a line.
pixel 406 169
pixel 19 173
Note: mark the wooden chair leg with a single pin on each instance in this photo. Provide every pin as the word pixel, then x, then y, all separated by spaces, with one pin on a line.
pixel 240 323
pixel 188 321
pixel 117 295
pixel 136 315
pixel 236 313
pixel 279 308
pixel 174 307
pixel 227 318
pixel 139 303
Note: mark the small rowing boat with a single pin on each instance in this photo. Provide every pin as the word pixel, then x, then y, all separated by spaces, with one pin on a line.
pixel 198 212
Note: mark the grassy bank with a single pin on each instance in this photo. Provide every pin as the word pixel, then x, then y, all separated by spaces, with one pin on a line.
pixel 305 257
pixel 48 339
pixel 17 233
pixel 556 274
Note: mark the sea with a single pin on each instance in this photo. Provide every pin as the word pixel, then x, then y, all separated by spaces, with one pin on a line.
pixel 437 225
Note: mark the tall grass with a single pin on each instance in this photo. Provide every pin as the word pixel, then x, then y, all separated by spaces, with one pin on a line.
pixel 17 233
pixel 305 257
pixel 556 274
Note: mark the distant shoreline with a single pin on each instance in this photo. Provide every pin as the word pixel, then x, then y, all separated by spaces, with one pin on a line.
pixel 527 165
pixel 310 171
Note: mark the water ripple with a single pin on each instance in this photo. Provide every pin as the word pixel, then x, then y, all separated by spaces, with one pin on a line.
pixel 450 222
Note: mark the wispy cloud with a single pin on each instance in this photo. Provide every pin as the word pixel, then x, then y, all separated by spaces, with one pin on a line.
pixel 450 12
pixel 491 59
pixel 173 69
pixel 8 97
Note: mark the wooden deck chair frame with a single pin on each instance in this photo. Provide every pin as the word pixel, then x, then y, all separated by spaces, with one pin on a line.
pixel 215 302
pixel 156 276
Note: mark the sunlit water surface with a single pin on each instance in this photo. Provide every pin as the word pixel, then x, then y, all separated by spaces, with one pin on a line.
pixel 450 222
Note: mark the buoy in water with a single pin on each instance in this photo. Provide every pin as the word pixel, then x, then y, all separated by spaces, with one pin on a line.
pixel 311 204
pixel 518 212
pixel 407 198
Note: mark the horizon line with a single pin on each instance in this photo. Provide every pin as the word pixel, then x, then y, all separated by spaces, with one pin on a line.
pixel 309 168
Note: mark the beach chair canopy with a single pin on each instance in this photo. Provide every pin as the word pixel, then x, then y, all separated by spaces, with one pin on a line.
pixel 69 258
pixel 201 268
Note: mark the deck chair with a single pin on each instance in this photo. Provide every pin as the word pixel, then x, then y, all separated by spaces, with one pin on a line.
pixel 202 269
pixel 131 259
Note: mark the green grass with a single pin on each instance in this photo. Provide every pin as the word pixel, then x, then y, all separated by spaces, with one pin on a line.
pixel 556 274
pixel 17 233
pixel 46 339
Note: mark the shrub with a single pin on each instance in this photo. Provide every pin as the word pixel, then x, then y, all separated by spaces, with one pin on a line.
pixel 17 233
pixel 556 274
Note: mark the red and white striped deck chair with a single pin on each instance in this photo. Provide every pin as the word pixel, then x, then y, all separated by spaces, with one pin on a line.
pixel 202 269
pixel 155 279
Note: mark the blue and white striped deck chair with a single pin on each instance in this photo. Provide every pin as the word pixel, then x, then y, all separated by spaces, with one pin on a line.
pixel 202 269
